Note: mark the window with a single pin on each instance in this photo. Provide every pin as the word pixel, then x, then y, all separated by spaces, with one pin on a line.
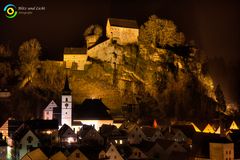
pixel 77 155
pixel 29 139
pixel 139 154
pixel 29 147
pixel 229 152
pixel 226 152
pixel 20 146
pixel 66 99
pixel 47 113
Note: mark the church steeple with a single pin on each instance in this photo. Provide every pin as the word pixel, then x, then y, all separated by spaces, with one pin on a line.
pixel 66 90
pixel 66 104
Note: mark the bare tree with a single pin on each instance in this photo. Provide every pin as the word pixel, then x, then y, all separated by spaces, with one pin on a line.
pixel 28 55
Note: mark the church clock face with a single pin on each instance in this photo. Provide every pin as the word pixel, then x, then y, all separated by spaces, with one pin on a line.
pixel 66 105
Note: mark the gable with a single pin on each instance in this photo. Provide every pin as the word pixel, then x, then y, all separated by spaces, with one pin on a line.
pixel 93 134
pixel 30 136
pixel 58 156
pixel 35 154
pixel 176 147
pixel 68 132
pixel 137 154
pixel 208 129
pixel 113 153
pixel 195 127
pixel 50 106
pixel 234 126
pixel 77 154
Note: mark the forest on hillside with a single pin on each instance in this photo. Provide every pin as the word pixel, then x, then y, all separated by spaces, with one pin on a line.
pixel 163 77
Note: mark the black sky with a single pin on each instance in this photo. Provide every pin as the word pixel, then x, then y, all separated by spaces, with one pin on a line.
pixel 213 24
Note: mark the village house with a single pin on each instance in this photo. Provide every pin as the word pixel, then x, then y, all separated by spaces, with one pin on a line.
pixel 35 154
pixel 24 141
pixel 48 111
pixel 77 155
pixel 58 156
pixel 88 135
pixel 112 153
pixel 67 136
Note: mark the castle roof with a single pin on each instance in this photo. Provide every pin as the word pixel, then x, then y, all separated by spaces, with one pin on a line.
pixel 75 50
pixel 126 23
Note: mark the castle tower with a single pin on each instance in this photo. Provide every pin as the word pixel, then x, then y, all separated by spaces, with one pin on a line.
pixel 66 117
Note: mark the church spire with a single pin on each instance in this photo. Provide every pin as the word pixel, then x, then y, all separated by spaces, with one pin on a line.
pixel 66 90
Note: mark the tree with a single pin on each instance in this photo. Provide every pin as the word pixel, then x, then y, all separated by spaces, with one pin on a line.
pixel 93 30
pixel 220 99
pixel 29 53
pixel 92 34
pixel 160 32
pixel 5 51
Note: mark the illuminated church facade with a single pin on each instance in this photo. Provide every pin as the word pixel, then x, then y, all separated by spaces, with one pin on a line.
pixel 90 112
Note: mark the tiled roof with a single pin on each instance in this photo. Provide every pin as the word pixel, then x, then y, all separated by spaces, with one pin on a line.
pixel 126 23
pixel 75 50
pixel 91 109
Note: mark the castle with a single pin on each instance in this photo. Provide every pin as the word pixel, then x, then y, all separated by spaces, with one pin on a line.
pixel 120 31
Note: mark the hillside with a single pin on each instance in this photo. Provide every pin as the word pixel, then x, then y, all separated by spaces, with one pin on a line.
pixel 163 76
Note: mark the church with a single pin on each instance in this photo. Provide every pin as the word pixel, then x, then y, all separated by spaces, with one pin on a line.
pixel 90 112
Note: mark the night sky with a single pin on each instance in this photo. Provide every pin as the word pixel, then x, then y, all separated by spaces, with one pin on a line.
pixel 213 24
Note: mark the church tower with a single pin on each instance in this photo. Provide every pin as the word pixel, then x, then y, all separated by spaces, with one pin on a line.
pixel 66 117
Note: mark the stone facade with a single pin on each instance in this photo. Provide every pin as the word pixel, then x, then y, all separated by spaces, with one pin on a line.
pixel 122 31
pixel 75 58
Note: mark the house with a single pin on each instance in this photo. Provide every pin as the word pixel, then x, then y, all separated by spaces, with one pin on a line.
pixel 113 154
pixel 24 141
pixel 201 147
pixel 137 154
pixel 77 155
pixel 8 129
pixel 92 112
pixel 123 31
pixel 90 136
pixel 175 134
pixel 152 134
pixel 135 134
pixel 114 135
pixel 208 129
pixel 58 156
pixel 35 154
pixel 67 136
pixel 3 148
pixel 222 151
pixel 75 58
pixel 48 111
pixel 155 151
